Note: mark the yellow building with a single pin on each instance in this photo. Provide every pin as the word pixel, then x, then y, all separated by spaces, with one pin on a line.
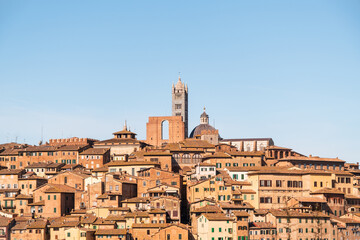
pixel 215 226
pixel 75 233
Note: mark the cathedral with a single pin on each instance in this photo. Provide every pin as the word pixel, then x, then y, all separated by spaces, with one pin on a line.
pixel 204 130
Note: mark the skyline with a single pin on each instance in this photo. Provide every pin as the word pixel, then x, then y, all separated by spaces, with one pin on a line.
pixel 289 71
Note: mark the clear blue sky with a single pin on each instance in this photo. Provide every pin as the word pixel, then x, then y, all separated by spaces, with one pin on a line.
pixel 289 70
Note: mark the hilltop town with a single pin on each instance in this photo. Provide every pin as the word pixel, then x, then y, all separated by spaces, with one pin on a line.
pixel 175 184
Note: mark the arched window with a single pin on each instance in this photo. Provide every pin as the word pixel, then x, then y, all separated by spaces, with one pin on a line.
pixel 261 147
pixel 177 157
pixel 197 158
pixel 165 130
pixel 186 158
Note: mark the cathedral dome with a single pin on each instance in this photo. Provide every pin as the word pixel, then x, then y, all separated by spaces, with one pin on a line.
pixel 197 130
pixel 204 125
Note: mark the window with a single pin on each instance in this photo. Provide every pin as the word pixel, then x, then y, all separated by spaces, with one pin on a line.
pixel 68 234
pixel 278 183
pixel 265 200
pixel 219 229
pixel 180 236
pixel 315 184
pixel 54 210
pixel 265 183
pixel 212 229
pixel 54 197
pixel 65 180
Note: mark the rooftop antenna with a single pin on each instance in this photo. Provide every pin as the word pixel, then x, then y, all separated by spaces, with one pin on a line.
pixel 16 139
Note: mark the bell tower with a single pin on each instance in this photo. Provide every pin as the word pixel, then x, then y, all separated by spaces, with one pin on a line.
pixel 180 102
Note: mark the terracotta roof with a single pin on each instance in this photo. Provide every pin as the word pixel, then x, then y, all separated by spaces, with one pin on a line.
pixel 55 165
pixel 261 225
pixel 10 152
pixel 20 226
pixel 277 147
pixel 255 153
pixel 150 225
pixel 241 214
pixel 136 200
pixel 23 196
pixel 59 224
pixel 310 199
pixel 216 217
pixel 247 191
pixel 11 171
pixel 119 209
pixel 72 147
pixel 131 163
pixel 37 165
pixel 101 169
pixel 346 220
pixel 4 221
pixel 157 211
pixel 41 148
pixel 229 205
pixel 328 191
pixel 348 196
pixel 59 188
pixel 71 166
pixel 40 203
pixel 124 131
pixel 310 158
pixel 261 211
pixel 296 214
pixel 94 151
pixel 217 155
pixel 100 221
pixel 207 164
pixel 114 217
pixel 118 141
pixel 103 196
pixel 208 209
pixel 157 153
pixel 111 232
pixel 37 225
pixel 88 219
pixel 137 214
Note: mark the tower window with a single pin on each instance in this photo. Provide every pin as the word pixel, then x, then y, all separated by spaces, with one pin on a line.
pixel 177 106
pixel 178 114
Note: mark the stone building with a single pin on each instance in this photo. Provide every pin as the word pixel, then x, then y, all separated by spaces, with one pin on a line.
pixel 249 144
pixel 124 142
pixel 164 130
pixel 180 102
pixel 205 131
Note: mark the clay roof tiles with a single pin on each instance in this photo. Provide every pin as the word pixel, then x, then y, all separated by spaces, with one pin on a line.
pixel 217 217
pixel 207 209
pixel 111 232
pixel 328 191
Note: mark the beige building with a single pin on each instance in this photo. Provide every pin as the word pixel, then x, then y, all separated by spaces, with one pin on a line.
pixel 215 226
pixel 124 142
